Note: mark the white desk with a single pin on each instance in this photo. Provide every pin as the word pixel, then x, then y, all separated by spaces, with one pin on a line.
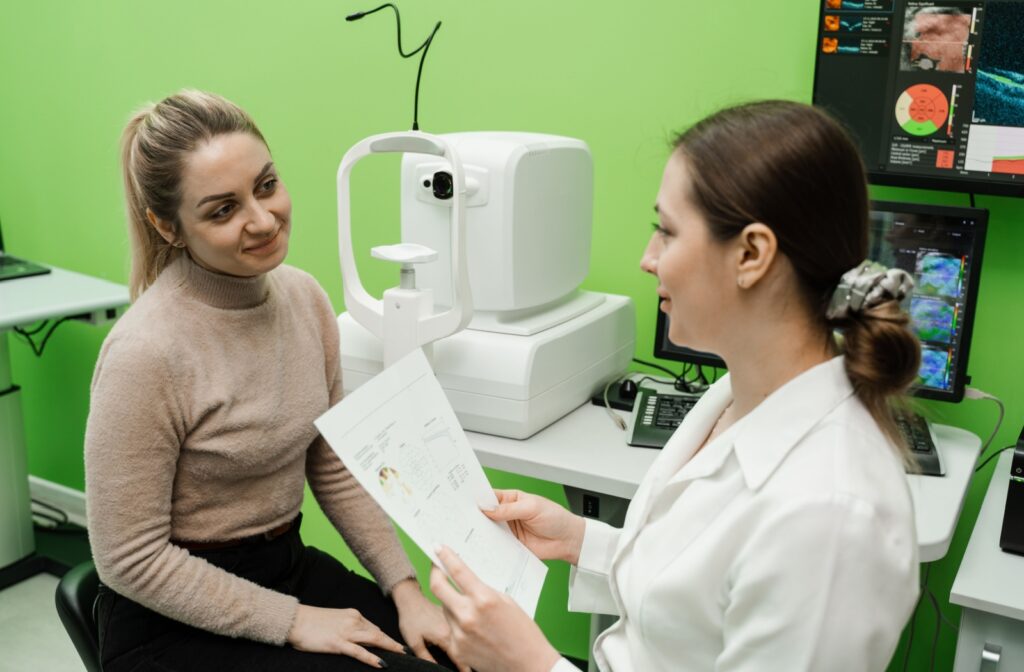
pixel 22 302
pixel 584 450
pixel 588 455
pixel 989 588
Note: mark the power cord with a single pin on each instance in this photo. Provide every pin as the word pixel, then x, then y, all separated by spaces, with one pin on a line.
pixel 659 367
pixel 993 455
pixel 27 335
pixel 940 620
pixel 974 393
pixel 913 617
pixel 616 418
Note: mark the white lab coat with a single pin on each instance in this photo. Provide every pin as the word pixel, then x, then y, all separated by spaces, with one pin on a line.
pixel 787 543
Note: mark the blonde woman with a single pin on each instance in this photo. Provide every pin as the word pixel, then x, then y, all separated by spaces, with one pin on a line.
pixel 200 436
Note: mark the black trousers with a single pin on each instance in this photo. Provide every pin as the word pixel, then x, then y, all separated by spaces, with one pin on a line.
pixel 134 638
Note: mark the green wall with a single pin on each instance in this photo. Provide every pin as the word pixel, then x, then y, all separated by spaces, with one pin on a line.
pixel 621 77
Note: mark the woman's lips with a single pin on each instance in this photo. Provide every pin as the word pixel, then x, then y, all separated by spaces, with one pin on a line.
pixel 266 247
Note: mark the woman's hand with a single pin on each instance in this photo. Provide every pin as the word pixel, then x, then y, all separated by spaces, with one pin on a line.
pixel 342 631
pixel 489 631
pixel 546 528
pixel 422 622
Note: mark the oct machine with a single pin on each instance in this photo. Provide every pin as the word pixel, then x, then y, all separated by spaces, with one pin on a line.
pixel 495 238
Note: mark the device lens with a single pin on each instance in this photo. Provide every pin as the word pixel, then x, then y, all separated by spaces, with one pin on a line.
pixel 443 185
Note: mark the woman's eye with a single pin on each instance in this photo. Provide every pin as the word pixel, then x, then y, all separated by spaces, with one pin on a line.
pixel 268 185
pixel 660 230
pixel 223 211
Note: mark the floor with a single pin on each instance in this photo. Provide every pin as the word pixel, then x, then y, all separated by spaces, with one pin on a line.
pixel 31 634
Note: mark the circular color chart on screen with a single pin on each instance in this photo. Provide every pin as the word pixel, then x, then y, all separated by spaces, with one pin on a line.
pixel 921 109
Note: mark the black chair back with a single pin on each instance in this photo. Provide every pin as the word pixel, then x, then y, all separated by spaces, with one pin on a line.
pixel 76 598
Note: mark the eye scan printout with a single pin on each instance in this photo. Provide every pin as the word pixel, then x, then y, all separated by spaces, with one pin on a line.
pixel 399 437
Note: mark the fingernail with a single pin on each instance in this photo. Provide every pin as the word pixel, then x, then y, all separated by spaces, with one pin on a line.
pixel 381 664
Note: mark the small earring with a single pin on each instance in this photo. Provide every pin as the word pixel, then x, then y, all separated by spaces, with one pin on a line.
pixel 740 283
pixel 178 244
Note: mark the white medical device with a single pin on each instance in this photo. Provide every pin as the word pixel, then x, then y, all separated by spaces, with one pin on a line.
pixel 537 346
pixel 405 318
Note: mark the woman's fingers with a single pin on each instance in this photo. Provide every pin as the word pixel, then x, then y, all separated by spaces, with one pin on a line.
pixel 510 510
pixel 443 590
pixel 420 649
pixel 506 495
pixel 382 641
pixel 353 650
pixel 368 633
pixel 461 574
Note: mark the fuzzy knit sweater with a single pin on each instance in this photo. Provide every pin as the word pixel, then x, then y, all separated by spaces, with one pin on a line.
pixel 201 429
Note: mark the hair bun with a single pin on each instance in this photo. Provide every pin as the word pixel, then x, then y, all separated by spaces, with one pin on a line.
pixel 882 355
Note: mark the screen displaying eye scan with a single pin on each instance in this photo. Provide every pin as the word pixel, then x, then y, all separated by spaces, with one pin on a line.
pixel 933 91
pixel 941 248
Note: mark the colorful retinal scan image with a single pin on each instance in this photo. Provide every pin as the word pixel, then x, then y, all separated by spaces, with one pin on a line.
pixel 999 93
pixel 935 38
pixel 934 371
pixel 937 274
pixel 932 318
pixel 844 4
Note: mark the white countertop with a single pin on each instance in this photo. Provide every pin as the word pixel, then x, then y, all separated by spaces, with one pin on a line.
pixel 586 450
pixel 56 294
pixel 989 579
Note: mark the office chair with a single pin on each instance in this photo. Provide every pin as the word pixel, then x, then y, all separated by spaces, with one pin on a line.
pixel 76 598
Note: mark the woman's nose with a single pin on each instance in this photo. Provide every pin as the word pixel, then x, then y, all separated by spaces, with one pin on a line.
pixel 649 262
pixel 263 219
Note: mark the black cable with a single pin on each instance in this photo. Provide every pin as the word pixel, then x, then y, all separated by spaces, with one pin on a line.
pixel 938 629
pixel 59 512
pixel 33 332
pixel 425 47
pixel 38 350
pixel 659 367
pixel 913 617
pixel 971 194
pixel 45 516
pixel 989 458
pixel 945 621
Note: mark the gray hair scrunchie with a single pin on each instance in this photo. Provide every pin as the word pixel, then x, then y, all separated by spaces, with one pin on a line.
pixel 866 286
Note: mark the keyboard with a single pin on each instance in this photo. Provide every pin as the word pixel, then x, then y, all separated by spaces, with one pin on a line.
pixel 657 416
pixel 918 437
pixel 659 413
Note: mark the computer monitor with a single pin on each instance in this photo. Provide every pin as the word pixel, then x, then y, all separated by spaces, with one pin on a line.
pixel 931 90
pixel 942 248
pixel 666 349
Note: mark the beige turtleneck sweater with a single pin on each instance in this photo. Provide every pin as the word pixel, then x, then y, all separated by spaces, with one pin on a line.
pixel 201 429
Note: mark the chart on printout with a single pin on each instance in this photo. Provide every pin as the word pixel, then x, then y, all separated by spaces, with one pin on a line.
pixel 922 109
pixel 399 437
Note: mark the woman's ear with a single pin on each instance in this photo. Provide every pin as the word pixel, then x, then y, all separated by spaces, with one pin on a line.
pixel 758 247
pixel 162 226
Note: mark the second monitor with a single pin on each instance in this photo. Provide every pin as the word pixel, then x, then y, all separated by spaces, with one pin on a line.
pixel 941 247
